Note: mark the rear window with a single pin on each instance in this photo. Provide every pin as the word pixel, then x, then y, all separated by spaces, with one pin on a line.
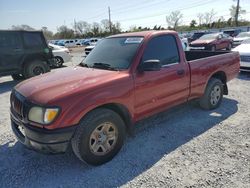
pixel 33 40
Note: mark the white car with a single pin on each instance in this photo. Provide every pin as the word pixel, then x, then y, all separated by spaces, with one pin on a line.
pixel 244 51
pixel 61 55
pixel 240 37
pixel 70 43
pixel 184 42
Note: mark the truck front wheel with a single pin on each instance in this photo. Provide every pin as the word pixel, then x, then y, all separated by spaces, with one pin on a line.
pixel 99 136
pixel 213 94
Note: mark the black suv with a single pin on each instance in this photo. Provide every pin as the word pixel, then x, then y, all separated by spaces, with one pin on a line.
pixel 24 54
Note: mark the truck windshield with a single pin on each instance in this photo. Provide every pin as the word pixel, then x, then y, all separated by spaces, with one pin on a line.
pixel 113 53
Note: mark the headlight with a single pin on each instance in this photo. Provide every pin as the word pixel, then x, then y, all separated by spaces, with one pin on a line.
pixel 42 115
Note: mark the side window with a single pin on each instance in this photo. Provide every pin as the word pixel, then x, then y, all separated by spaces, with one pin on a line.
pixel 33 40
pixel 163 48
pixel 10 40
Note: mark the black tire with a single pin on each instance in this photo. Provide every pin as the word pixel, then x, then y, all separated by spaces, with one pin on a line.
pixel 213 48
pixel 211 99
pixel 17 76
pixel 81 142
pixel 35 68
pixel 58 62
pixel 229 47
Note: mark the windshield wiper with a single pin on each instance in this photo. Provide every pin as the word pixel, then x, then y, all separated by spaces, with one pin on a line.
pixel 104 66
pixel 84 64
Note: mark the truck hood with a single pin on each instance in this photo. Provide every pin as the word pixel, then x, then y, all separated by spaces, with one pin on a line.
pixel 201 42
pixel 60 83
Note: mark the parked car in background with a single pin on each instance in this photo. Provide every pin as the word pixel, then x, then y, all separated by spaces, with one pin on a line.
pixel 61 55
pixel 197 35
pixel 88 49
pixel 24 54
pixel 232 32
pixel 60 43
pixel 91 42
pixel 79 42
pixel 244 51
pixel 212 42
pixel 184 41
pixel 69 43
pixel 241 37
pixel 103 98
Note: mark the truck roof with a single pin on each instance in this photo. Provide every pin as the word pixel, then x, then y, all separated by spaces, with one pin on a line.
pixel 143 33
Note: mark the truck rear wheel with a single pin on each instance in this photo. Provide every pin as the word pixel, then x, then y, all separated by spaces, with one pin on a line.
pixel 213 94
pixel 35 68
pixel 99 137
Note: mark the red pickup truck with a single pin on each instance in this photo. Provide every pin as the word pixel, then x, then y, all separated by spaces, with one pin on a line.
pixel 126 78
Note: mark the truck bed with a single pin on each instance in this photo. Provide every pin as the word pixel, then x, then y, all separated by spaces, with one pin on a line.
pixel 203 64
pixel 194 55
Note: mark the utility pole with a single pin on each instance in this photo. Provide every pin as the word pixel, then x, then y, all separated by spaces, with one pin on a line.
pixel 110 24
pixel 237 12
pixel 75 25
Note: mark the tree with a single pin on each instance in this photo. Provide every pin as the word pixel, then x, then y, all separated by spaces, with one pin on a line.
pixel 47 34
pixel 22 27
pixel 96 29
pixel 105 25
pixel 82 27
pixel 193 23
pixel 200 18
pixel 116 28
pixel 63 32
pixel 174 19
pixel 209 17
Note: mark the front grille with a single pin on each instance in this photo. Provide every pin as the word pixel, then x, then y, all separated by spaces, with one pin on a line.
pixel 17 104
pixel 245 58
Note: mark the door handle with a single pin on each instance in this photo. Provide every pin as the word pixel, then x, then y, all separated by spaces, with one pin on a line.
pixel 180 72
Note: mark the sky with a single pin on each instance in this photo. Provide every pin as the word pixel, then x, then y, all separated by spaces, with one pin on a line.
pixel 54 13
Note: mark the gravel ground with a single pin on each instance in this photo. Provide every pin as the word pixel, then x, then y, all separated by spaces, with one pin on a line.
pixel 183 147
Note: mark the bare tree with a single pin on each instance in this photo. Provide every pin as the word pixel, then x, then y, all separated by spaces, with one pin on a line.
pixel 105 25
pixel 174 19
pixel 48 34
pixel 209 17
pixel 200 18
pixel 96 29
pixel 82 27
pixel 63 32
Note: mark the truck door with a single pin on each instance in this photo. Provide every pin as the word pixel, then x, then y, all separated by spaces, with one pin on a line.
pixel 11 51
pixel 156 90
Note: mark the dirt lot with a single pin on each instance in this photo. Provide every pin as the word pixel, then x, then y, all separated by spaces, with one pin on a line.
pixel 184 147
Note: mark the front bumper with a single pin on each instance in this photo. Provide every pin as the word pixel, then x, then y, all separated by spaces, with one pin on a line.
pixel 42 140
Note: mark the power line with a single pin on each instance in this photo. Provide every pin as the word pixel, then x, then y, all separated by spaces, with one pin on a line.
pixel 138 6
pixel 201 3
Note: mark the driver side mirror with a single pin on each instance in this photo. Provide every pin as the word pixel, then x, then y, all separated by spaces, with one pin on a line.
pixel 150 65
